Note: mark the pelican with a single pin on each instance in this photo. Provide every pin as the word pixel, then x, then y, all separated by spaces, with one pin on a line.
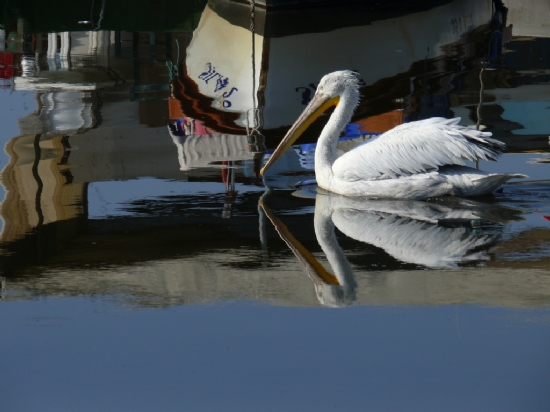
pixel 415 160
pixel 434 235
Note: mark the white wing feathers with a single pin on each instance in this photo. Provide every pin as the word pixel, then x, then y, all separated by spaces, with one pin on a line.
pixel 416 147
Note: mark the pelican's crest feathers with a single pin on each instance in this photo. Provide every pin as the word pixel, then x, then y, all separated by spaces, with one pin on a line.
pixel 338 83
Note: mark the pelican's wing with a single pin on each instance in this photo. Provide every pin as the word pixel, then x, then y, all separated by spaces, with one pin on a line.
pixel 416 147
pixel 415 241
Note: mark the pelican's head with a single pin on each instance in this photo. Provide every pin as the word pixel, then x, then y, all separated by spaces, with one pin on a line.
pixel 332 87
pixel 338 83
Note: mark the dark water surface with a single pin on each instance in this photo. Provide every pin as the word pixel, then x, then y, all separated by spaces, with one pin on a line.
pixel 147 265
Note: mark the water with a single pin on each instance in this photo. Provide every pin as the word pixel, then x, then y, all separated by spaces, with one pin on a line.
pixel 147 265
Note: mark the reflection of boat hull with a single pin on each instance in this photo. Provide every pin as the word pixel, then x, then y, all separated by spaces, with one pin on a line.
pixel 372 4
pixel 203 151
pixel 280 72
pixel 221 61
pixel 138 15
pixel 177 266
pixel 290 57
pixel 315 19
pixel 208 278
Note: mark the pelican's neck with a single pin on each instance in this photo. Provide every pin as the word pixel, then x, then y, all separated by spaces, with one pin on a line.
pixel 326 236
pixel 326 152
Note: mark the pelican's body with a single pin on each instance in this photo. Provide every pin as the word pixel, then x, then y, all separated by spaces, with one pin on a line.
pixel 440 234
pixel 429 234
pixel 416 160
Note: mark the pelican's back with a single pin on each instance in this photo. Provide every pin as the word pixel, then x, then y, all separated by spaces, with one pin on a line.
pixel 416 147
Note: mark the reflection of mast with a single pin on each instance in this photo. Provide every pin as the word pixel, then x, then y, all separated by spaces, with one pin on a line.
pixel 498 21
pixel 478 124
pixel 228 177
pixel 256 139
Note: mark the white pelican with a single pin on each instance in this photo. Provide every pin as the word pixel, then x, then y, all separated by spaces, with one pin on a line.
pixel 434 235
pixel 415 160
pixel 413 231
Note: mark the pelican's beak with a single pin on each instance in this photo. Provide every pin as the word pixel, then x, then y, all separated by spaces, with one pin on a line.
pixel 318 105
pixel 315 270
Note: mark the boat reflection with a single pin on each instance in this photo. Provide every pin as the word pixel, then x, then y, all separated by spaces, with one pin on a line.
pixel 105 97
pixel 443 233
pixel 414 75
pixel 199 146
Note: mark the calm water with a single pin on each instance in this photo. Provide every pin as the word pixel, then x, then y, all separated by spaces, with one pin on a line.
pixel 146 265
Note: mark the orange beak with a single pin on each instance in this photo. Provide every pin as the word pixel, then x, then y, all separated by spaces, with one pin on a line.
pixel 314 269
pixel 318 105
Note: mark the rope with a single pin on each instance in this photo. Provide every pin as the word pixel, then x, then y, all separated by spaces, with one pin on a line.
pixel 480 98
pixel 478 124
pixel 173 68
pixel 253 31
pixel 100 15
pixel 255 137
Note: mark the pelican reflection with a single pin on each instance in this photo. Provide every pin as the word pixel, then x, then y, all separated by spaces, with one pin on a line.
pixel 443 234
